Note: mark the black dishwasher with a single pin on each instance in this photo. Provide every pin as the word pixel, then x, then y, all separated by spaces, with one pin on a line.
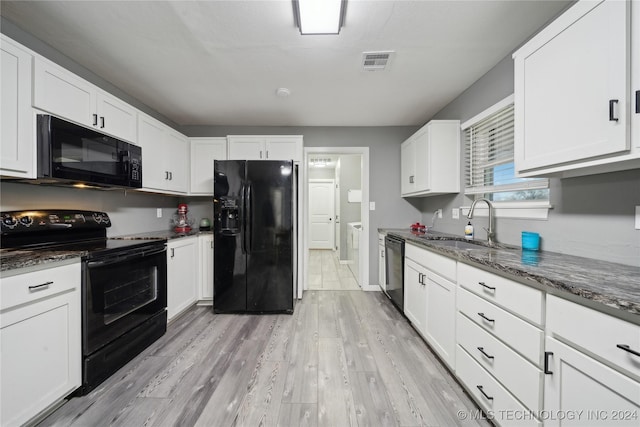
pixel 394 248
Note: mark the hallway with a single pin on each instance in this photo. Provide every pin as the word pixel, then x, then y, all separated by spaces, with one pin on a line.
pixel 326 272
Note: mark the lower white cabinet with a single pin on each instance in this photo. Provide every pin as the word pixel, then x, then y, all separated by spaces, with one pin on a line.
pixel 205 270
pixel 40 340
pixel 430 299
pixel 587 389
pixel 182 275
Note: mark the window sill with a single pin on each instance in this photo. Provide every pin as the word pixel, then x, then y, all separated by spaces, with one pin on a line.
pixel 516 210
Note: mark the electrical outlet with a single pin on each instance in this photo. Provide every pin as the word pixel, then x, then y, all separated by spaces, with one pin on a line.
pixel 637 217
pixel 439 212
pixel 159 213
pixel 455 213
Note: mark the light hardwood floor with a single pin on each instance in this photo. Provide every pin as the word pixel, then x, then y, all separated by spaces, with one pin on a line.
pixel 344 358
pixel 326 272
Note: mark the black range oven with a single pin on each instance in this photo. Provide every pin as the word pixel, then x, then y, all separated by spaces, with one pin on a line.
pixel 124 283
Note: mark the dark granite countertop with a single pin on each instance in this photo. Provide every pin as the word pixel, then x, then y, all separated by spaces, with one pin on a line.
pixel 610 287
pixel 13 259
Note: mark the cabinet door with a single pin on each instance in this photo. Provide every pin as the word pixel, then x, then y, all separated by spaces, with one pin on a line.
pixel 17 152
pixel 64 94
pixel 581 385
pixel 116 117
pixel 408 167
pixel 177 161
pixel 203 152
pixel 441 317
pixel 283 148
pixel 246 148
pixel 182 263
pixel 206 267
pixel 422 161
pixel 415 295
pixel 151 137
pixel 571 87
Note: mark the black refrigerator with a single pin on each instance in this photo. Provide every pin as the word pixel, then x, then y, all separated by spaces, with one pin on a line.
pixel 254 236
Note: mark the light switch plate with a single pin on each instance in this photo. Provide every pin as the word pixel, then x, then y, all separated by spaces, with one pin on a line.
pixel 439 212
pixel 372 206
pixel 637 217
pixel 159 212
pixel 455 213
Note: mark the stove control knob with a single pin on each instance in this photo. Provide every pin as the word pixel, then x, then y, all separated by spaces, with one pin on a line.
pixel 97 217
pixel 26 221
pixel 9 221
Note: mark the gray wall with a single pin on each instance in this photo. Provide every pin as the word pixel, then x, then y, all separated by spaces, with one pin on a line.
pixel 350 179
pixel 592 216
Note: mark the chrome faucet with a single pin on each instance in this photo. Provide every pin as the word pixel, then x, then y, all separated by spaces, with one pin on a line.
pixel 490 233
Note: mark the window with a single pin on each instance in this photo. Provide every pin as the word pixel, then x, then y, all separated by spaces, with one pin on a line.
pixel 489 166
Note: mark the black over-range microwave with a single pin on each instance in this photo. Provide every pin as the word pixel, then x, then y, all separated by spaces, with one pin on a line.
pixel 74 154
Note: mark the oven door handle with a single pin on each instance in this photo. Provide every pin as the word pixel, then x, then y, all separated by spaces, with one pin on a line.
pixel 124 257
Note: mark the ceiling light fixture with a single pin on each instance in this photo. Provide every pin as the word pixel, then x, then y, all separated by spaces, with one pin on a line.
pixel 319 16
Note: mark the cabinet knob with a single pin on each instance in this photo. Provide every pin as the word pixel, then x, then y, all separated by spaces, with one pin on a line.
pixel 638 102
pixel 102 122
pixel 612 110
pixel 547 354
pixel 95 119
pixel 411 179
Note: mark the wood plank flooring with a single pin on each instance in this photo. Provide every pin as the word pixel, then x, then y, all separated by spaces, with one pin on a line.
pixel 344 358
pixel 326 272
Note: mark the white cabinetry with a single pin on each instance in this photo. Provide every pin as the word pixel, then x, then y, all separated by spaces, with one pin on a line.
pixel 572 98
pixel 382 267
pixel 429 299
pixel 17 141
pixel 203 152
pixel 165 154
pixel 40 340
pixel 430 160
pixel 205 270
pixel 182 275
pixel 588 372
pixel 499 333
pixel 62 93
pixel 258 147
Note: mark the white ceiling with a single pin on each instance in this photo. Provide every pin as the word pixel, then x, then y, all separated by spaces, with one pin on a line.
pixel 220 62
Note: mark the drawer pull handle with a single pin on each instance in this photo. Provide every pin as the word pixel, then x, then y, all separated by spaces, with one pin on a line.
pixel 40 287
pixel 484 285
pixel 612 105
pixel 627 348
pixel 486 318
pixel 483 393
pixel 547 354
pixel 481 350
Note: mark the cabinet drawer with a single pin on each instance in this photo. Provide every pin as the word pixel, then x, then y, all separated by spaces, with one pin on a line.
pixel 523 337
pixel 498 402
pixel 28 287
pixel 519 299
pixel 444 266
pixel 518 375
pixel 596 333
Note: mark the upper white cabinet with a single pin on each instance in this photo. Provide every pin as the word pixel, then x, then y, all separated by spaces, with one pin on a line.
pixel 17 143
pixel 573 95
pixel 430 160
pixel 70 97
pixel 203 152
pixel 258 147
pixel 165 153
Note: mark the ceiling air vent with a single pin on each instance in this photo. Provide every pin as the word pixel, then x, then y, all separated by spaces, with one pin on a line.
pixel 376 61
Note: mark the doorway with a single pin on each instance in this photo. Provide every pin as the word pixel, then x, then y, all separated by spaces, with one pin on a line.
pixel 358 197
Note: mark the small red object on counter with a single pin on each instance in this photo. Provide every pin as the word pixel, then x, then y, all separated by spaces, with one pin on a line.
pixel 419 228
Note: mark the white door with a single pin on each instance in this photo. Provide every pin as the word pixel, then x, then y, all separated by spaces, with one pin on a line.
pixel 321 214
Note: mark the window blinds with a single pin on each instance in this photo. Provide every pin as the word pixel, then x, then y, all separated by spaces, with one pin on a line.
pixel 489 156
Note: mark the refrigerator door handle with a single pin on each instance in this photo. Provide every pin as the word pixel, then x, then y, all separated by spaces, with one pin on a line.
pixel 243 224
pixel 249 219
